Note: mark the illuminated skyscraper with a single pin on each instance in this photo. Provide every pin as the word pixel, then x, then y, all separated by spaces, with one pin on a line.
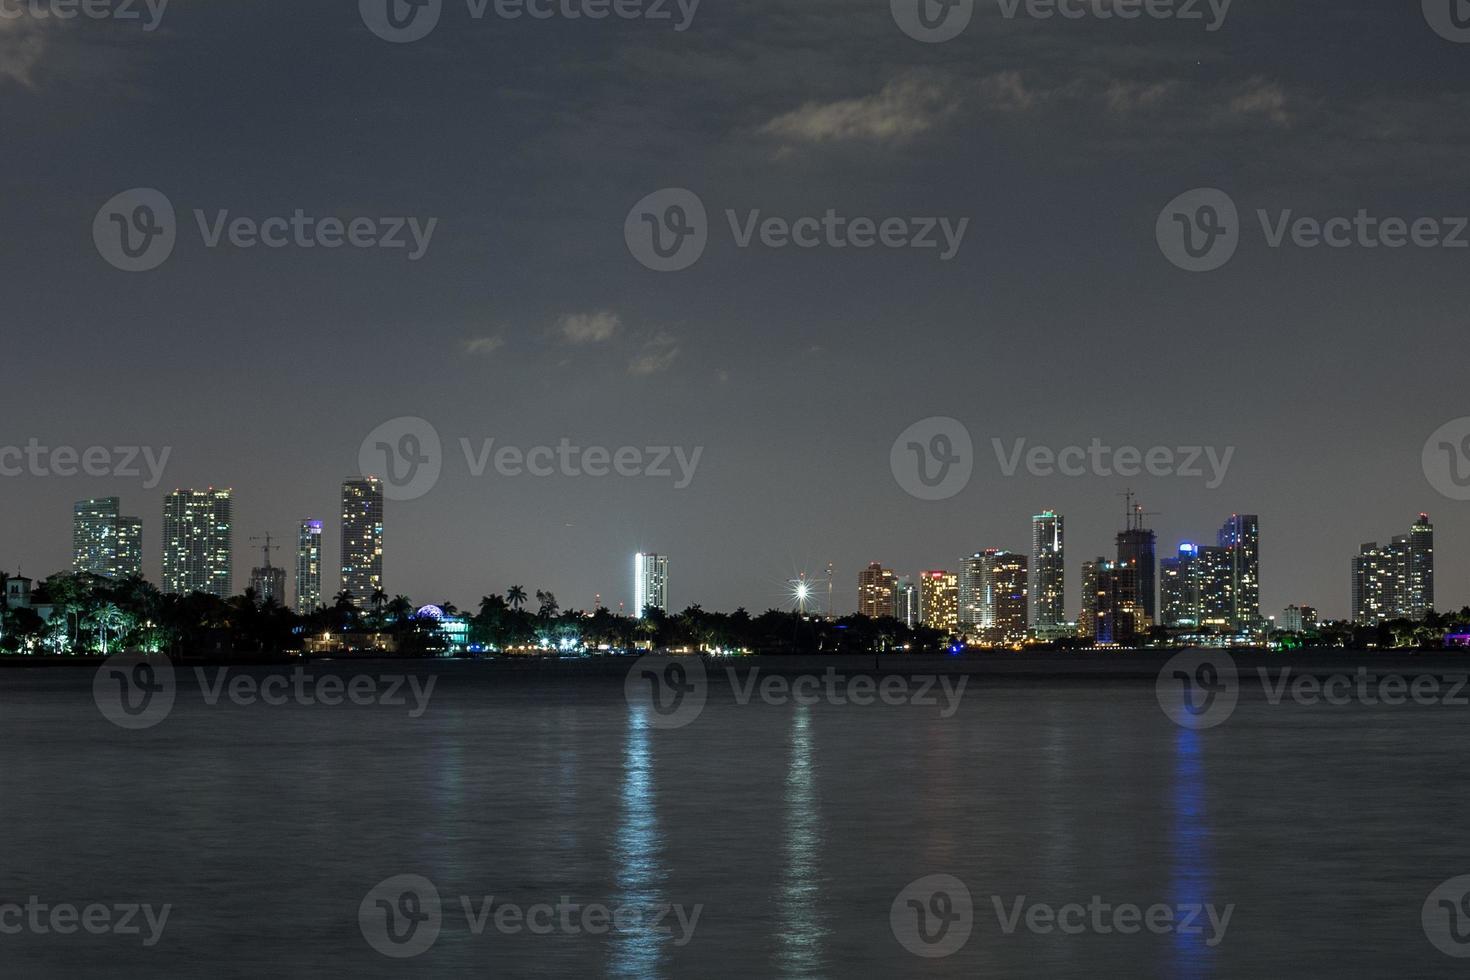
pixel 877 592
pixel 103 543
pixel 1241 536
pixel 1111 611
pixel 198 535
pixel 650 583
pixel 1397 581
pixel 993 596
pixel 939 600
pixel 309 567
pixel 1137 547
pixel 1003 604
pixel 129 547
pixel 362 539
pixel 906 603
pixel 971 591
pixel 1179 588
pixel 1419 569
pixel 1048 575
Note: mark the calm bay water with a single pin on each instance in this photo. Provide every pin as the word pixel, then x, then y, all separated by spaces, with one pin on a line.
pixel 791 829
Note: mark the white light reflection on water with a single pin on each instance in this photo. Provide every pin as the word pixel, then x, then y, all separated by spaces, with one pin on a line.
pixel 801 932
pixel 638 854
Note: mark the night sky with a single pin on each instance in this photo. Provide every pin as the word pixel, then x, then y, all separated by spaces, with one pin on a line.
pixel 529 321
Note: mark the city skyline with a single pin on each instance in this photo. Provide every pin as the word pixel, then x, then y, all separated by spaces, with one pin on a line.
pixel 1074 593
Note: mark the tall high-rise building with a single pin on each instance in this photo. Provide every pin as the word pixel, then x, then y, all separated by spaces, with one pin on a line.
pixel 103 542
pixel 309 567
pixel 1374 585
pixel 1003 603
pixel 268 583
pixel 971 591
pixel 1111 610
pixel 1179 588
pixel 877 592
pixel 650 583
pixel 1397 581
pixel 362 539
pixel 1419 569
pixel 1048 575
pixel 198 538
pixel 1197 588
pixel 129 547
pixel 1241 537
pixel 906 603
pixel 1136 547
pixel 939 600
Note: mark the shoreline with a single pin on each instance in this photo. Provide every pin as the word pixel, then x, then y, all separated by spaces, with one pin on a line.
pixel 1055 665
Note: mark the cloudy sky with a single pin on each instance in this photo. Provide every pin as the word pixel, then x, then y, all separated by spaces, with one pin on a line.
pixel 528 319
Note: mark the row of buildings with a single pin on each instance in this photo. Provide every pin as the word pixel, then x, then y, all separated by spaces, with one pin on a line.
pixel 1003 597
pixel 199 542
pixel 1203 592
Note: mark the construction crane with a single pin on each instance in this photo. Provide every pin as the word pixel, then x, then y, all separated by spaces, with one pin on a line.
pixel 1135 514
pixel 266 549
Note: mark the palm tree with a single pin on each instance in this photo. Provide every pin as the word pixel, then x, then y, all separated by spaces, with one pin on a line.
pixel 516 596
pixel 400 609
pixel 105 618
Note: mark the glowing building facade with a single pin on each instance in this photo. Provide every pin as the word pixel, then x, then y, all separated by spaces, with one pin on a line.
pixel 309 567
pixel 362 539
pixel 198 538
pixel 650 583
pixel 103 542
